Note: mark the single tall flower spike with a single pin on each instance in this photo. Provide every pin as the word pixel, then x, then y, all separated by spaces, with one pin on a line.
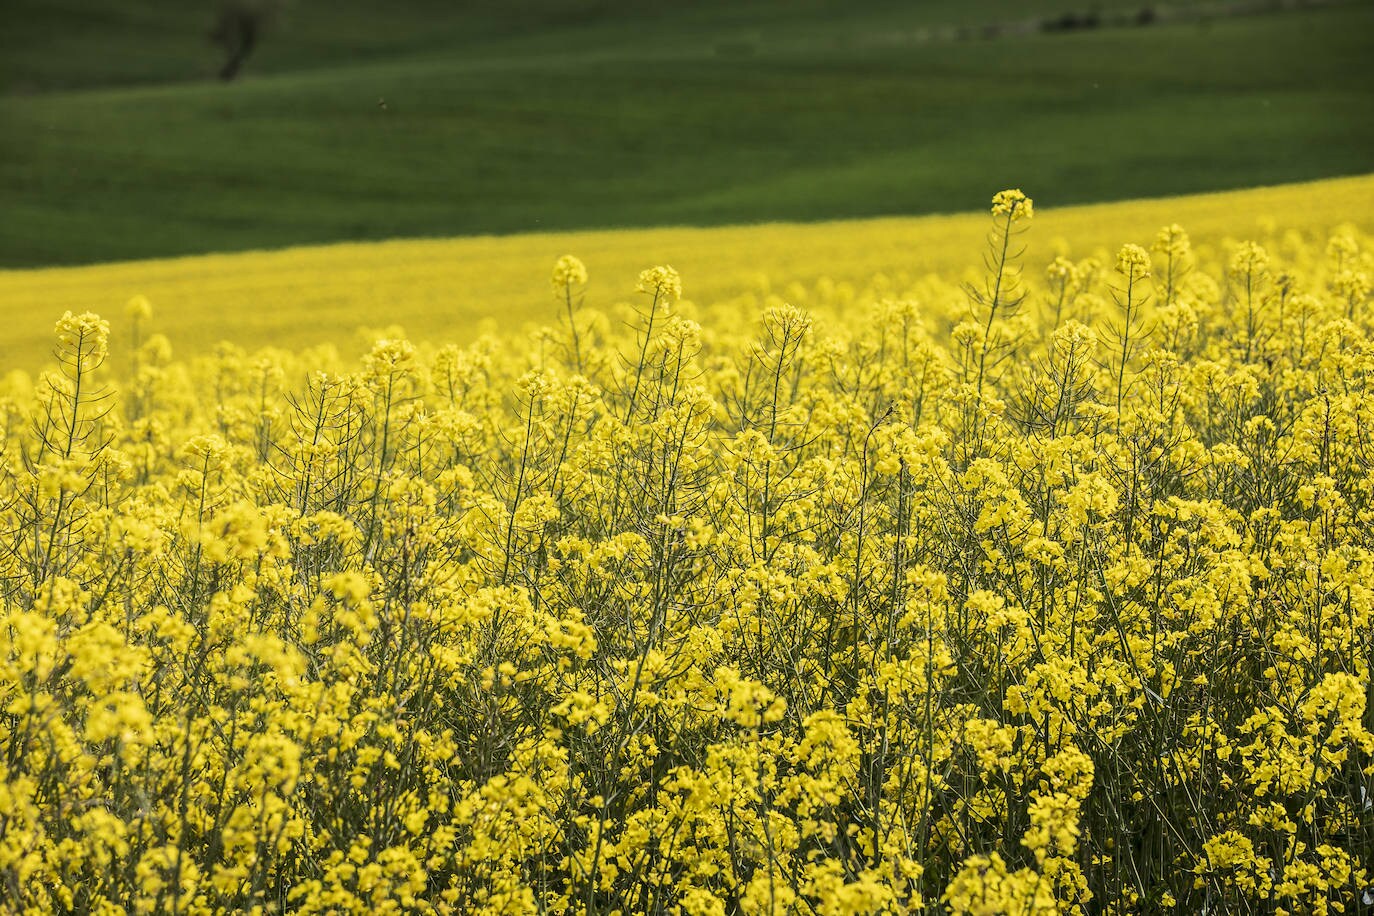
pixel 663 283
pixel 568 272
pixel 1013 203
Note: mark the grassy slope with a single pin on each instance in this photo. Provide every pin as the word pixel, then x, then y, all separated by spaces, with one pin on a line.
pixel 66 44
pixel 681 117
pixel 450 289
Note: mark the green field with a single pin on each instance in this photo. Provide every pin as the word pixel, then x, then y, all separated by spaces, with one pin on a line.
pixel 446 119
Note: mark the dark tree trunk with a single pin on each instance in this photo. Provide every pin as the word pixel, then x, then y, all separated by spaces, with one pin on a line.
pixel 237 31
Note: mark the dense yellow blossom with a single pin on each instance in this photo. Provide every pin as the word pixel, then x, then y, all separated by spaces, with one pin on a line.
pixel 1045 591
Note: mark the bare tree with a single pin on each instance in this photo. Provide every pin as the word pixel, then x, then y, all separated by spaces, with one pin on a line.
pixel 238 28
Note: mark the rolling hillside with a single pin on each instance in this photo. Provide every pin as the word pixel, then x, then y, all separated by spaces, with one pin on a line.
pixel 468 119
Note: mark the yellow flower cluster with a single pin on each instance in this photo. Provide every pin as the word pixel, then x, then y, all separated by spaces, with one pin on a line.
pixel 1133 262
pixel 663 283
pixel 1050 593
pixel 569 271
pixel 1013 204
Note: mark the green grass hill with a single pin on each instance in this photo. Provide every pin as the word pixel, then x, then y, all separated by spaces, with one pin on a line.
pixel 355 121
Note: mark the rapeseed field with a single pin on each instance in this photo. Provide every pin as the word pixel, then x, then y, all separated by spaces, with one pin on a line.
pixel 454 289
pixel 1038 584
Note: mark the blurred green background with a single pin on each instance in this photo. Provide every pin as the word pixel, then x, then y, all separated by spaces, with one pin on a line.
pixel 350 120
